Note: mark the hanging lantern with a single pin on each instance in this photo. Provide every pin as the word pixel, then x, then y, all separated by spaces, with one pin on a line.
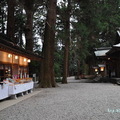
pixel 9 55
pixel 96 70
pixel 102 68
pixel 29 60
pixel 16 57
pixel 25 59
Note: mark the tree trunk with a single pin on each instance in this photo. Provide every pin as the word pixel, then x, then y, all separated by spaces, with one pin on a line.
pixel 20 34
pixel 47 66
pixel 11 19
pixel 28 6
pixel 67 42
pixel 29 30
pixel 78 70
pixel 2 12
pixel 20 38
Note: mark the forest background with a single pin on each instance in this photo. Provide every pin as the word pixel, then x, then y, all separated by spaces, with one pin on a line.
pixel 68 30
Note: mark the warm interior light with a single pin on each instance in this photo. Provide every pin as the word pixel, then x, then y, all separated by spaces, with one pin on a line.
pixel 25 59
pixel 108 58
pixel 29 60
pixel 9 55
pixel 16 57
pixel 96 69
pixel 102 69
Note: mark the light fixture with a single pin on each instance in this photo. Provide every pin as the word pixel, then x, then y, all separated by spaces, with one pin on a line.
pixel 108 58
pixel 16 57
pixel 9 55
pixel 101 68
pixel 25 59
pixel 29 60
pixel 96 69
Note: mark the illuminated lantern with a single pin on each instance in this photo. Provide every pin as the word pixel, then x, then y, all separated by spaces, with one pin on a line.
pixel 29 60
pixel 25 59
pixel 101 68
pixel 96 69
pixel 16 57
pixel 9 55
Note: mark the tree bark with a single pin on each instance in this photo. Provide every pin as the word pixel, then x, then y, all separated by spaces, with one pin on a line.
pixel 29 30
pixel 78 70
pixel 47 66
pixel 67 42
pixel 28 5
pixel 11 19
pixel 2 12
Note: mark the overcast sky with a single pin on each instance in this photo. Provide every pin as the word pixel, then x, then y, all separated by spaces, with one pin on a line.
pixel 59 1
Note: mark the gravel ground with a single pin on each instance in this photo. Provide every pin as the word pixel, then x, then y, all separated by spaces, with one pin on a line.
pixel 73 101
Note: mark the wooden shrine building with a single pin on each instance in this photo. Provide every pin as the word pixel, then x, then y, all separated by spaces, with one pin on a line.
pixel 14 60
pixel 14 69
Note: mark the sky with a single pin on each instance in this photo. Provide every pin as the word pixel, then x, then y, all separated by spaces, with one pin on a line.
pixel 59 1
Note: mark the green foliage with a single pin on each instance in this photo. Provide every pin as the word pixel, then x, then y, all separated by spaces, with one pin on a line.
pixel 93 24
pixel 34 68
pixel 58 63
pixel 57 70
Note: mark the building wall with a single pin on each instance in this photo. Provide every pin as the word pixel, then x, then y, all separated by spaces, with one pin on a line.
pixel 4 57
pixel 13 65
pixel 13 59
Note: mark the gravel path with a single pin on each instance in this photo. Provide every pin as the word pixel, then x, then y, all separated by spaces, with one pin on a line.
pixel 73 101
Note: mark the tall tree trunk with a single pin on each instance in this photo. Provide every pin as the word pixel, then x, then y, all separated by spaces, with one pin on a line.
pixel 47 73
pixel 2 13
pixel 78 70
pixel 28 6
pixel 67 42
pixel 20 34
pixel 11 19
pixel 29 30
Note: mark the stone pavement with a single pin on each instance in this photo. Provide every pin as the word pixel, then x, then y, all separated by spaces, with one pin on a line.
pixel 77 100
pixel 9 102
